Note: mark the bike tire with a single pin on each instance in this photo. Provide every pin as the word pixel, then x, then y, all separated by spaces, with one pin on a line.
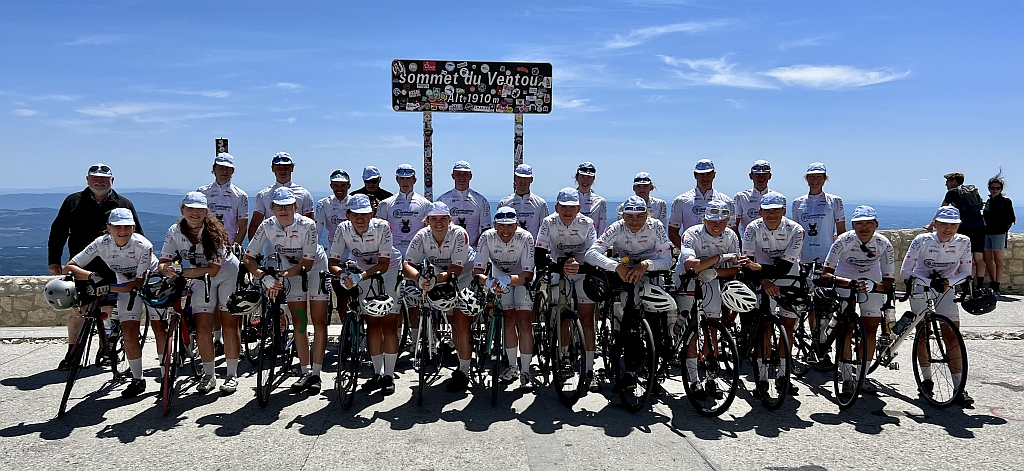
pixel 804 347
pixel 143 324
pixel 405 329
pixel 852 333
pixel 267 355
pixel 423 354
pixel 569 373
pixel 772 393
pixel 718 369
pixel 170 366
pixel 639 359
pixel 250 333
pixel 191 348
pixel 497 325
pixel 606 342
pixel 75 362
pixel 944 392
pixel 542 331
pixel 348 361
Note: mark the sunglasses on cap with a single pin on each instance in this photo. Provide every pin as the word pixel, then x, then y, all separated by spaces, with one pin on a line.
pixel 506 215
pixel 717 212
pixel 634 209
pixel 866 250
pixel 761 168
pixel 99 168
pixel 405 172
pixel 282 161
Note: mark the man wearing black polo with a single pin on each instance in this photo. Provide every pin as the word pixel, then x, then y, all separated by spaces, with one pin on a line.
pixel 371 187
pixel 81 219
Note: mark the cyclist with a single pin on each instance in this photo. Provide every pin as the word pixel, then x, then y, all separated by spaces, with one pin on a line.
pixel 130 256
pixel 642 187
pixel 569 234
pixel 199 240
pixel 367 241
pixel 509 248
pixel 282 165
pixel 530 208
pixel 864 258
pixel 446 247
pixel 371 186
pixel 688 207
pixel 330 211
pixel 944 257
pixel 644 246
pixel 469 208
pixel 592 205
pixel 227 202
pixel 293 237
pixel 820 214
pixel 747 203
pixel 709 250
pixel 774 242
pixel 406 212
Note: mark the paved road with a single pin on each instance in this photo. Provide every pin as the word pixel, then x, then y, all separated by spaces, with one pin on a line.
pixel 894 429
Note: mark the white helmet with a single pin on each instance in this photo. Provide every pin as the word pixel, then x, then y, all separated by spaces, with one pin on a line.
pixel 60 293
pixel 411 293
pixel 655 299
pixel 469 303
pixel 738 297
pixel 377 302
pixel 443 296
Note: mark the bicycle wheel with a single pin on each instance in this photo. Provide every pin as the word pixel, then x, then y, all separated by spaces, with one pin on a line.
pixel 606 342
pixel 75 357
pixel 569 374
pixel 542 334
pixel 270 324
pixel 638 364
pixel 710 388
pixel 497 328
pixel 143 324
pixel 849 366
pixel 943 360
pixel 190 349
pixel 405 329
pixel 286 339
pixel 423 353
pixel 804 354
pixel 171 351
pixel 348 361
pixel 771 369
pixel 251 335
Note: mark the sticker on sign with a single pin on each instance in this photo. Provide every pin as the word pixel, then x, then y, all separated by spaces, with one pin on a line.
pixel 477 87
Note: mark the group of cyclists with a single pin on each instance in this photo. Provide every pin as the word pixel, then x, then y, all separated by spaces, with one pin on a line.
pixel 418 246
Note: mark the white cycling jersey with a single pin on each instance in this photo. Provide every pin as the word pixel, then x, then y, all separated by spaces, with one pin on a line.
pixel 366 249
pixel 264 199
pixel 192 255
pixel 595 207
pixel 818 214
pixel 129 262
pixel 229 204
pixel 697 243
pixel 530 210
pixel 688 208
pixel 782 243
pixel 510 258
pixel 656 207
pixel 454 249
pixel 747 204
pixel 294 243
pixel 848 257
pixel 405 213
pixel 330 212
pixel 649 243
pixel 952 260
pixel 470 210
pixel 564 241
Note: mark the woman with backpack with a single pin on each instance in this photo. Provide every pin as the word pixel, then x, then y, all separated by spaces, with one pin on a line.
pixel 999 218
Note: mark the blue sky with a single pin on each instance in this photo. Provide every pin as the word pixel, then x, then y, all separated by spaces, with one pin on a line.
pixel 890 95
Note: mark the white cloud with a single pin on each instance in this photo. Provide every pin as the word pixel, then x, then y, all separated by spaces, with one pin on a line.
pixel 739 103
pixel 638 36
pixel 288 120
pixel 25 112
pixel 97 39
pixel 202 93
pixel 398 141
pixel 714 72
pixel 57 97
pixel 808 42
pixel 121 109
pixel 288 85
pixel 832 77
pixel 570 103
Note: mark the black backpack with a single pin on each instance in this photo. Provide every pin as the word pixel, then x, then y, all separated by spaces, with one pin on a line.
pixel 971 199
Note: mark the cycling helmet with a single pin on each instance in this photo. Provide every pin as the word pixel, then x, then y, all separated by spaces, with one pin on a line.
pixel 655 299
pixel 411 293
pixel 161 292
pixel 596 286
pixel 825 300
pixel 470 302
pixel 377 302
pixel 978 304
pixel 794 299
pixel 738 297
pixel 60 293
pixel 244 300
pixel 443 296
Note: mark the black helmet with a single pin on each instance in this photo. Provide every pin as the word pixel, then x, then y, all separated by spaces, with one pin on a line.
pixel 244 300
pixel 596 286
pixel 794 299
pixel 443 296
pixel 161 292
pixel 980 303
pixel 825 300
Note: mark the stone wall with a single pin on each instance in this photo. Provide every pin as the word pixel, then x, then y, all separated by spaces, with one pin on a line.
pixel 22 303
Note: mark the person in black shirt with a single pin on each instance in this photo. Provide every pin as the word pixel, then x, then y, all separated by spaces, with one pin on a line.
pixel 371 187
pixel 80 220
pixel 999 218
pixel 966 199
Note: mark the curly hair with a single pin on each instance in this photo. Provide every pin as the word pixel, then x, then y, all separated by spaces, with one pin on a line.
pixel 215 238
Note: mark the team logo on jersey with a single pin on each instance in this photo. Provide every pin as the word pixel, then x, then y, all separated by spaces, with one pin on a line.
pixel 461 222
pixel 698 210
pixel 405 226
pixel 292 259
pixel 811 217
pixel 858 263
pixel 336 219
pixel 812 230
pixel 522 224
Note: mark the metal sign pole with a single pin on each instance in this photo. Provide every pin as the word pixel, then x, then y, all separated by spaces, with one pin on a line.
pixel 517 150
pixel 220 145
pixel 428 156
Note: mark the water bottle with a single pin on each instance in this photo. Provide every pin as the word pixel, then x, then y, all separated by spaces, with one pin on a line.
pixel 828 329
pixel 904 322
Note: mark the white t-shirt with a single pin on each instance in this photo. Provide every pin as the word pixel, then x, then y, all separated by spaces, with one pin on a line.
pixel 128 263
pixel 452 251
pixel 265 198
pixel 818 215
pixel 330 212
pixel 530 210
pixel 657 208
pixel 848 258
pixel 405 213
pixel 294 243
pixel 649 243
pixel 192 256
pixel 952 260
pixel 703 244
pixel 564 241
pixel 782 243
pixel 470 210
pixel 510 258
pixel 229 203
pixel 595 207
pixel 366 249
pixel 747 204
pixel 688 208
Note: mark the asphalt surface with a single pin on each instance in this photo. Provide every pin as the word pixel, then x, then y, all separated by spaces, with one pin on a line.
pixel 890 430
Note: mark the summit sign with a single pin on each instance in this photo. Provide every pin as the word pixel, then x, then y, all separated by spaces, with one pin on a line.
pixel 471 87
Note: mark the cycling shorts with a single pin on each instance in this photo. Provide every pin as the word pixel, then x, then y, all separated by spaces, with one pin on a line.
pixel 872 307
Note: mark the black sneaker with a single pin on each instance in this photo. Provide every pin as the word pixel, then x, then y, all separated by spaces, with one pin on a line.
pixel 697 392
pixel 64 365
pixel 627 381
pixel 387 385
pixel 965 399
pixel 657 390
pixel 373 384
pixel 314 384
pixel 711 388
pixel 926 387
pixel 593 382
pixel 459 382
pixel 782 382
pixel 762 388
pixel 303 382
pixel 135 387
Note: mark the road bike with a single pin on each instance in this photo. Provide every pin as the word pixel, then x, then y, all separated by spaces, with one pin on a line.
pixel 181 347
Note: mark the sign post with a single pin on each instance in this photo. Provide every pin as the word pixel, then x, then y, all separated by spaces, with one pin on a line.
pixel 221 144
pixel 428 156
pixel 517 147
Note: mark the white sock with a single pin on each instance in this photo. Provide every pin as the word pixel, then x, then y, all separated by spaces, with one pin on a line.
pixel 160 368
pixel 316 369
pixel 218 335
pixel 464 366
pixel 926 372
pixel 208 368
pixel 525 360
pixel 415 333
pixel 956 380
pixel 232 367
pixel 378 363
pixel 513 354
pixel 136 367
pixel 304 369
pixel 588 359
pixel 691 370
pixel 389 363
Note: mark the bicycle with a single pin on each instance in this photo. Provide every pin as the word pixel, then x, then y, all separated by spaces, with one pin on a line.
pixel 930 330
pixel 632 355
pixel 558 334
pixel 765 338
pixel 435 334
pixel 847 329
pixel 492 322
pixel 352 350
pixel 180 346
pixel 802 299
pixel 276 343
pixel 710 343
pixel 78 356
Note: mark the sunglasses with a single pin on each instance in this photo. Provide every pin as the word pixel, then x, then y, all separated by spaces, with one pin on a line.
pixel 282 161
pixel 405 172
pixel 280 207
pixel 760 168
pixel 634 209
pixel 717 212
pixel 504 216
pixel 99 168
pixel 866 250
pixel 995 188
